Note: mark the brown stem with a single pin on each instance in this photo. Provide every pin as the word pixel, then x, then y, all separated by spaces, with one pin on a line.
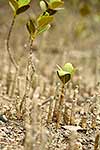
pixel 30 55
pixel 7 44
pixel 49 118
pixel 61 102
pixel 14 83
pixel 28 75
pixel 29 121
pixel 56 104
pixel 27 89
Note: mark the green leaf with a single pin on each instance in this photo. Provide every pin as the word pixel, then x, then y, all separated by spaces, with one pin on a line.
pixel 43 5
pixel 46 3
pixel 13 4
pixel 65 73
pixel 31 27
pixel 62 72
pixel 43 29
pixel 56 4
pixel 44 20
pixel 51 7
pixel 64 76
pixel 23 2
pixel 19 6
pixel 68 68
pixel 22 9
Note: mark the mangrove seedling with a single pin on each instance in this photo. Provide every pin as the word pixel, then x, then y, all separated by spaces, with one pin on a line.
pixel 18 6
pixel 42 23
pixel 65 74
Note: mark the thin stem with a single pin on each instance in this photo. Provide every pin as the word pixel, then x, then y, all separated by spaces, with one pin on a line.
pixel 56 104
pixel 14 83
pixel 30 55
pixel 29 123
pixel 28 74
pixel 49 119
pixel 27 89
pixel 7 44
pixel 61 102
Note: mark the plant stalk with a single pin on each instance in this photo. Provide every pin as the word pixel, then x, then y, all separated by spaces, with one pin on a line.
pixel 8 41
pixel 61 102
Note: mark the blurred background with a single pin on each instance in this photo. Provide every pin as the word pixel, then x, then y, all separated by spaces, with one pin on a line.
pixel 74 37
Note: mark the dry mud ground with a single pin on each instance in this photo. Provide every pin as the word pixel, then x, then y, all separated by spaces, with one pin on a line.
pixel 58 46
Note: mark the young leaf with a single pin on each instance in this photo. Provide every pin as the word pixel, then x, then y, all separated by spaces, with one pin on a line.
pixel 19 6
pixel 50 7
pixel 68 68
pixel 46 3
pixel 13 4
pixel 22 3
pixel 43 29
pixel 22 9
pixel 31 27
pixel 43 5
pixel 62 72
pixel 44 20
pixel 56 4
pixel 64 76
pixel 65 73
